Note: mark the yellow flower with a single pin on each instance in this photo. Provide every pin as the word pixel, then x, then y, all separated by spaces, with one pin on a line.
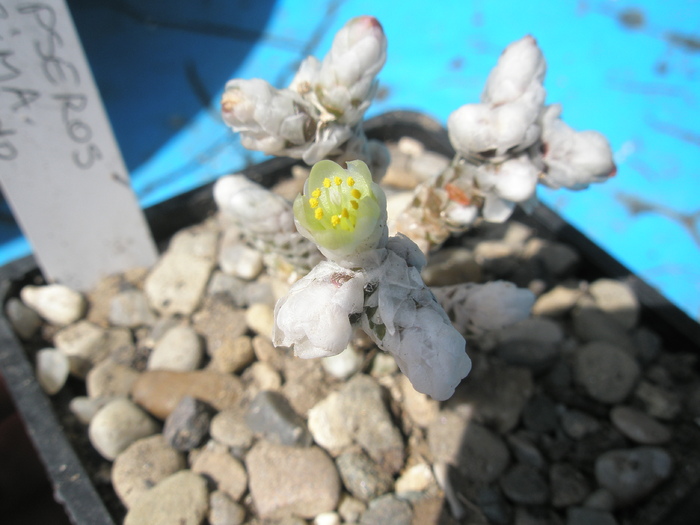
pixel 341 209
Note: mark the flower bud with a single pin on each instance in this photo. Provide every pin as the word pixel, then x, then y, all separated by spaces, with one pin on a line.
pixel 269 120
pixel 346 82
pixel 573 159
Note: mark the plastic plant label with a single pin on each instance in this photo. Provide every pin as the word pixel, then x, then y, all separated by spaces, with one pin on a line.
pixel 60 168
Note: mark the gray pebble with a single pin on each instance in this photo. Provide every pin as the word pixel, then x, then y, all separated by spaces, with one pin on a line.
pixel 631 474
pixel 638 426
pixel 361 476
pixel 271 415
pixel 568 485
pixel 229 428
pixel 577 424
pixel 387 509
pixel 187 426
pixel 524 484
pixel 478 453
pixel 25 321
pixel 130 309
pixel 587 516
pixel 607 373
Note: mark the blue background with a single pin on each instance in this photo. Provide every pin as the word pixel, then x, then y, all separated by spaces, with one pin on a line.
pixel 627 69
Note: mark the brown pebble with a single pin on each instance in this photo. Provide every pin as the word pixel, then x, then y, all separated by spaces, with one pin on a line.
pixel 160 391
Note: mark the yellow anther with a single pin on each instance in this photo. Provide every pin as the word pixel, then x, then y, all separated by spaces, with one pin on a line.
pixel 356 193
pixel 344 213
pixel 338 181
pixel 313 202
pixel 318 214
pixel 351 182
pixel 316 193
pixel 354 205
pixel 326 182
pixel 335 220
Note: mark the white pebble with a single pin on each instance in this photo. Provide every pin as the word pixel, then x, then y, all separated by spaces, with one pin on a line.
pixel 117 425
pixel 56 303
pixel 343 365
pixel 52 369
pixel 179 349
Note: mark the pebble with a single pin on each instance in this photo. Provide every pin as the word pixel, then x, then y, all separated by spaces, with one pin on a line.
pixel 533 343
pixel 238 259
pixel 361 476
pixel 84 408
pixel 577 424
pixel 350 508
pixel 160 391
pixel 369 423
pixel 179 348
pixel 142 465
pixel 25 321
pixel 85 345
pixel 56 303
pixel 617 300
pixel 568 485
pixel 631 474
pixel 52 369
pixel 177 282
pixel 474 450
pixel 592 324
pixel 556 302
pixel 383 364
pixel 588 516
pixel 233 355
pixel 658 401
pixel 228 286
pixel 260 318
pixel 305 384
pixel 229 428
pixel 187 426
pixel 218 322
pixel 421 409
pixel 415 479
pixel 559 259
pixel 327 424
pixel 493 504
pixel 266 352
pixel 387 509
pixel 497 395
pixel 228 474
pixel 264 377
pixel 525 451
pixel 638 426
pixel 181 498
pixel 540 414
pixel 130 309
pixel 343 365
pixel 600 499
pixel 451 266
pixel 110 379
pixel 271 415
pixel 607 373
pixel 292 480
pixel 523 484
pixel 117 425
pixel 224 511
pixel 327 518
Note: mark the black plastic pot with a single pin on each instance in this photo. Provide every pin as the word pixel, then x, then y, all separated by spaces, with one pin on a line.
pixel 76 491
